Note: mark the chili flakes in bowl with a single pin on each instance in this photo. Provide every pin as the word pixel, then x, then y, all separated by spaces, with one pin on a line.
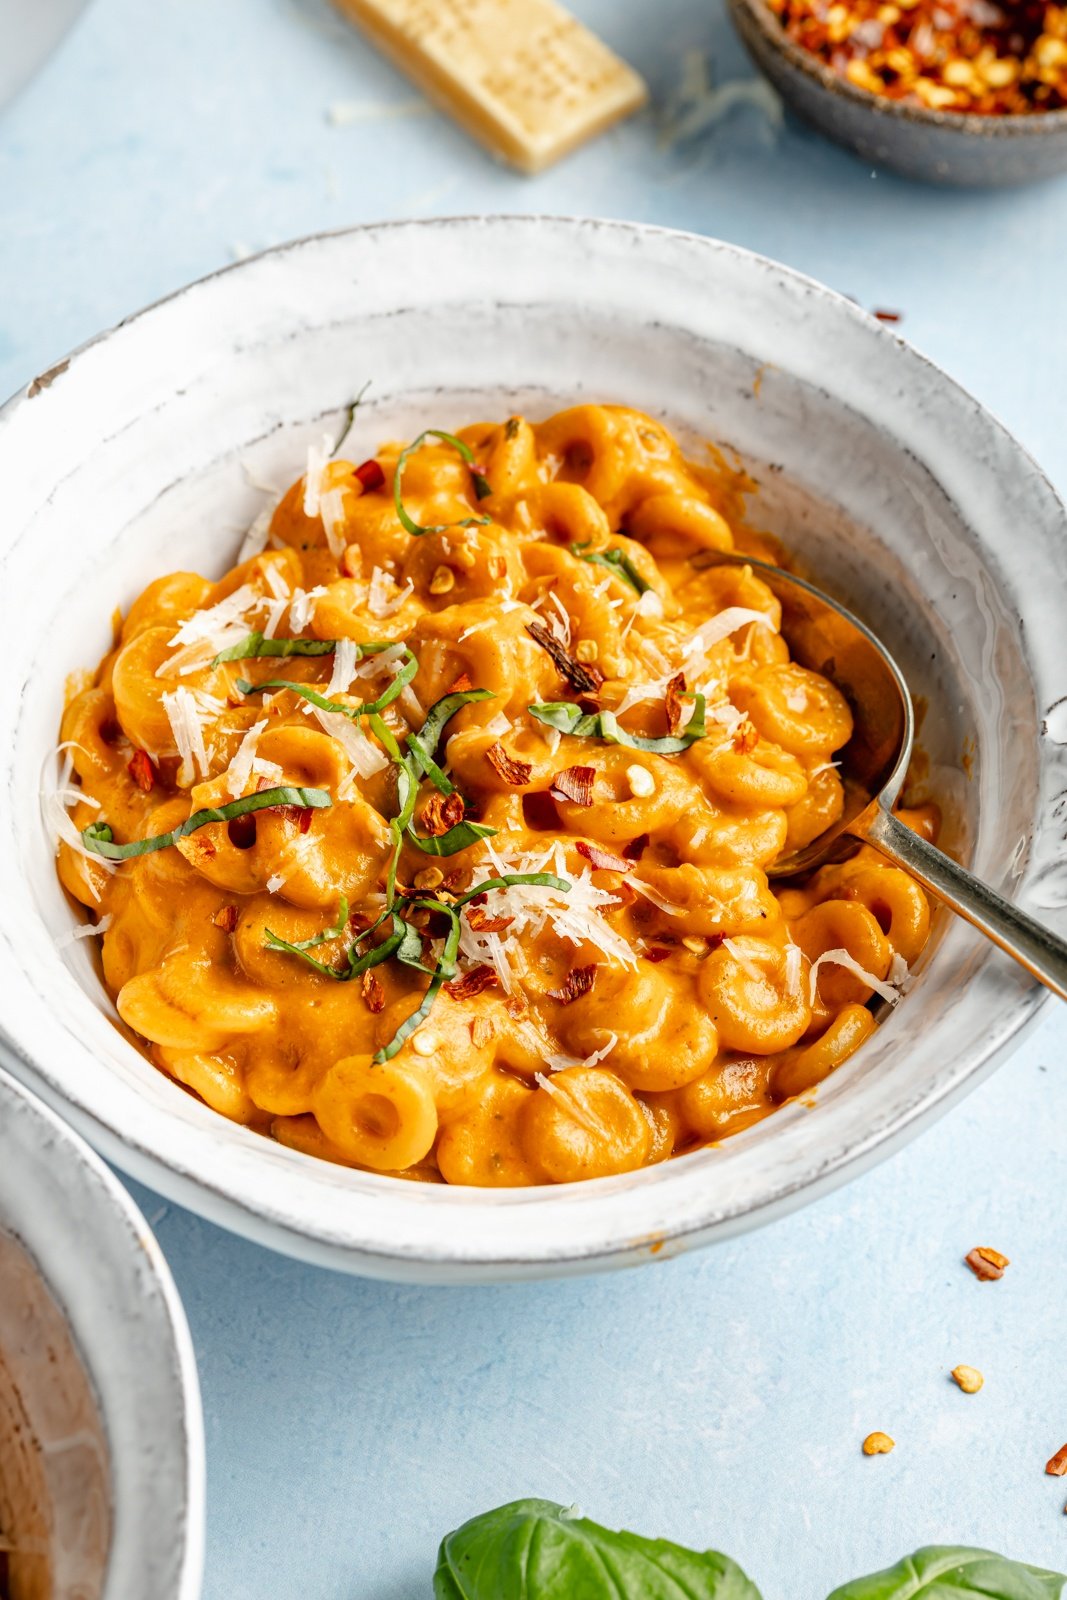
pixel 969 56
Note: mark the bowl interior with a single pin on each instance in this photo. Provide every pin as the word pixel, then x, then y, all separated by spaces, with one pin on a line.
pixel 893 487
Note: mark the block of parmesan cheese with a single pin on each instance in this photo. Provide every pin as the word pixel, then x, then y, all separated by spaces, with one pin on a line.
pixel 523 76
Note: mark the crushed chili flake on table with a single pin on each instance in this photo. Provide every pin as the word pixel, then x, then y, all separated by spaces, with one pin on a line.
pixel 974 56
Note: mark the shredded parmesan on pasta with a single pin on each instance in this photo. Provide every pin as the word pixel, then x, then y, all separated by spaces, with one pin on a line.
pixel 344 669
pixel 794 958
pixel 318 459
pixel 382 603
pixel 187 729
pixel 364 756
pixel 744 962
pixel 84 930
pixel 841 958
pixel 302 606
pixel 332 511
pixel 569 1101
pixel 203 635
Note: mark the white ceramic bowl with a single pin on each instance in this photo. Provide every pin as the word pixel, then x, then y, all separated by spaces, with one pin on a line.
pixel 101 1446
pixel 31 30
pixel 901 491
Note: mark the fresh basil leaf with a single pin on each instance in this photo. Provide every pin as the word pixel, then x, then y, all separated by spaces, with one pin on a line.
pixel 458 838
pixel 98 837
pixel 544 880
pixel 444 972
pixel 569 718
pixel 424 744
pixel 320 938
pixel 616 561
pixel 954 1572
pixel 257 644
pixel 481 487
pixel 541 1551
pixel 368 708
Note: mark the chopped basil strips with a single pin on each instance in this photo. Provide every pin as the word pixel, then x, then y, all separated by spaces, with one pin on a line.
pixel 616 561
pixel 257 644
pixel 99 839
pixel 569 718
pixel 424 744
pixel 481 486
pixel 324 937
pixel 457 838
pixel 366 709
pixel 446 968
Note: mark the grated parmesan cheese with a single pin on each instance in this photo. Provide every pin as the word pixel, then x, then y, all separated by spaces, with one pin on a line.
pixel 317 461
pixel 573 915
pixel 569 1100
pixel 275 581
pixel 656 898
pixel 239 771
pixel 794 957
pixel 560 623
pixel 84 930
pixel 499 727
pixel 743 961
pixel 54 803
pixel 344 669
pixel 332 511
pixel 203 635
pixel 842 958
pixel 379 603
pixel 187 729
pixel 364 756
pixel 302 606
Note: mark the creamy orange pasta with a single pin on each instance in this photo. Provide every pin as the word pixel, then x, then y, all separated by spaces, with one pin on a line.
pixel 433 838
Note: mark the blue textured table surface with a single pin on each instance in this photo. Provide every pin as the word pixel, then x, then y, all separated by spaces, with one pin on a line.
pixel 719 1399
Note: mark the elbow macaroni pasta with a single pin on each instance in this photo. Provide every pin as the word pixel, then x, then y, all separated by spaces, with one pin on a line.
pixel 656 993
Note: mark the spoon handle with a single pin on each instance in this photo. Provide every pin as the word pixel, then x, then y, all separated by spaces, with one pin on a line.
pixel 1041 952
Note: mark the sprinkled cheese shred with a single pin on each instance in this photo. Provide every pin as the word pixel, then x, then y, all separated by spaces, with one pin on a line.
pixel 332 511
pixel 560 621
pixel 744 962
pixel 569 1102
pixel 275 581
pixel 841 958
pixel 499 727
pixel 720 627
pixel 794 957
pixel 383 596
pixel 275 882
pixel 656 898
pixel 344 669
pixel 363 755
pixel 187 729
pixel 84 930
pixel 899 972
pixel 475 627
pixel 239 771
pixel 203 635
pixel 54 802
pixel 302 606
pixel 274 617
pixel 318 457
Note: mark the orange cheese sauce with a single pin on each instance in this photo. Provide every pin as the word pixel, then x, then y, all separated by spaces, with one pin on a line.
pixel 655 993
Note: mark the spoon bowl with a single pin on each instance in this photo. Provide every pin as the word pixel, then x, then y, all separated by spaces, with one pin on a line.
pixel 826 638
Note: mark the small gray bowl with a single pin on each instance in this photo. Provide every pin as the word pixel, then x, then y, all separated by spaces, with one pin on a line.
pixel 945 147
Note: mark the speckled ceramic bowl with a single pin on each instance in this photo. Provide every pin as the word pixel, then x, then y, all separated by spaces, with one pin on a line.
pixel 101 1453
pixel 936 146
pixel 130 460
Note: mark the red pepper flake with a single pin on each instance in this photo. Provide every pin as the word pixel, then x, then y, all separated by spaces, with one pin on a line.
pixel 242 831
pixel 986 1264
pixel 304 816
pixel 636 848
pixel 888 316
pixel 746 737
pixel 517 773
pixel 142 770
pixel 370 476
pixel 658 952
pixel 473 982
pixel 587 679
pixel 441 812
pixel 673 702
pixel 579 981
pixel 373 993
pixel 1056 1466
pixel 462 684
pixel 226 918
pixel 479 921
pixel 574 783
pixel 601 860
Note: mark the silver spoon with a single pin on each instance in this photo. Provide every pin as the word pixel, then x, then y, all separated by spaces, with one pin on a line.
pixel 826 638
